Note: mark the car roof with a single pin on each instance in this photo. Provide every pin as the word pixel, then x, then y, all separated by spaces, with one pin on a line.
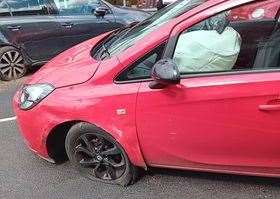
pixel 209 4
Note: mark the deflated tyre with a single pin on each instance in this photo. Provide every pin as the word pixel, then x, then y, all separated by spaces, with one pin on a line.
pixel 98 156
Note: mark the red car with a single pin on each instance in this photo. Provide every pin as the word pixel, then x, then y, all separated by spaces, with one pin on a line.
pixel 184 89
pixel 258 10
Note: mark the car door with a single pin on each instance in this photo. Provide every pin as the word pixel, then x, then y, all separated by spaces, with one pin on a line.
pixel 228 118
pixel 38 36
pixel 32 28
pixel 78 22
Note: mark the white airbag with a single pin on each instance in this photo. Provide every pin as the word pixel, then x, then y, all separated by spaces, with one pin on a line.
pixel 207 50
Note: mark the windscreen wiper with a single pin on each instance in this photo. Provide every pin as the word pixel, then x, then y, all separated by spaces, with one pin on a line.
pixel 104 53
pixel 124 28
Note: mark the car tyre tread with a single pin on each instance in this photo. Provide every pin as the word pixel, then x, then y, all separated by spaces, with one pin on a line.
pixel 130 175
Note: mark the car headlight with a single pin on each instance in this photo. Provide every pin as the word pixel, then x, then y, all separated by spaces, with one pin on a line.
pixel 31 95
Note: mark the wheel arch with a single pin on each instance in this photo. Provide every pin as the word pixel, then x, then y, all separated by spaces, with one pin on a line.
pixel 57 135
pixel 5 44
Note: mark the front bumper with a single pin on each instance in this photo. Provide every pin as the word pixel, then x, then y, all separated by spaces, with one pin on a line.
pixel 34 128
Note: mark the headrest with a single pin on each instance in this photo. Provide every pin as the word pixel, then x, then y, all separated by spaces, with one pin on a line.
pixel 218 23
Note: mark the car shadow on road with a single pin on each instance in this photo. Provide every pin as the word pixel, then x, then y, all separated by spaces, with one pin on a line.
pixel 229 178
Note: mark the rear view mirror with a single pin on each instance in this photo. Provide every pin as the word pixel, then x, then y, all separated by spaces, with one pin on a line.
pixel 165 72
pixel 100 11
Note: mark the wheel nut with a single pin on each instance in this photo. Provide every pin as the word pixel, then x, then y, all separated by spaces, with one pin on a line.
pixel 99 158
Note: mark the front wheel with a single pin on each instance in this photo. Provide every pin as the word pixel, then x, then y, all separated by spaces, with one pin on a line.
pixel 98 156
pixel 12 65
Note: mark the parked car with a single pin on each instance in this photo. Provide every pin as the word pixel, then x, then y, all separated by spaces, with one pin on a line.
pixel 185 89
pixel 34 31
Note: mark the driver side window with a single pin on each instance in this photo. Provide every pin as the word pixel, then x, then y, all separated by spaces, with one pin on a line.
pixel 72 7
pixel 28 7
pixel 231 41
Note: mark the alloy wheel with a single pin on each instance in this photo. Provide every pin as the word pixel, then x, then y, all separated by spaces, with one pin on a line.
pixel 99 157
pixel 12 65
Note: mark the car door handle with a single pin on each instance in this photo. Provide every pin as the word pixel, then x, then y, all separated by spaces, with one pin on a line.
pixel 14 28
pixel 272 107
pixel 67 25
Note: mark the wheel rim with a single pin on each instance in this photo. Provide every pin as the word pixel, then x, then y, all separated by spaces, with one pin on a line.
pixel 99 157
pixel 12 65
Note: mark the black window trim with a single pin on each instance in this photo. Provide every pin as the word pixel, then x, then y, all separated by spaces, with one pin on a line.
pixel 164 43
pixel 214 74
pixel 110 10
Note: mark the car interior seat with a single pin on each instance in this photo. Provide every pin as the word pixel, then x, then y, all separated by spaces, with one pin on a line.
pixel 268 53
pixel 252 41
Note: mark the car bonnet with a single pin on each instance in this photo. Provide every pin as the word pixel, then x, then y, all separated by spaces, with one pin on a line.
pixel 74 66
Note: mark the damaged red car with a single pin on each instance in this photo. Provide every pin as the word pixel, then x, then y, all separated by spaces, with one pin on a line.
pixel 189 88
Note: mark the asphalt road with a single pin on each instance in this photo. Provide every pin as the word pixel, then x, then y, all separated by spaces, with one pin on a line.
pixel 23 175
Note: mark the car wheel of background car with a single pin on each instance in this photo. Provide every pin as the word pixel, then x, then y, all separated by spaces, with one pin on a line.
pixel 12 64
pixel 98 156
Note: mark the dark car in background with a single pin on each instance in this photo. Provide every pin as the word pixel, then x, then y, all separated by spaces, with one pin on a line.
pixel 34 31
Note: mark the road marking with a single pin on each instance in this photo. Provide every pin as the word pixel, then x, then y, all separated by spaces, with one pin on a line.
pixel 8 119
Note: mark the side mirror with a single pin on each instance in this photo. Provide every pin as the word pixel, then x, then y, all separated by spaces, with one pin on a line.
pixel 100 11
pixel 165 72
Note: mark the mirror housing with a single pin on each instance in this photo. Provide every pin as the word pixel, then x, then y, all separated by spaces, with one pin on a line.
pixel 100 11
pixel 165 72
